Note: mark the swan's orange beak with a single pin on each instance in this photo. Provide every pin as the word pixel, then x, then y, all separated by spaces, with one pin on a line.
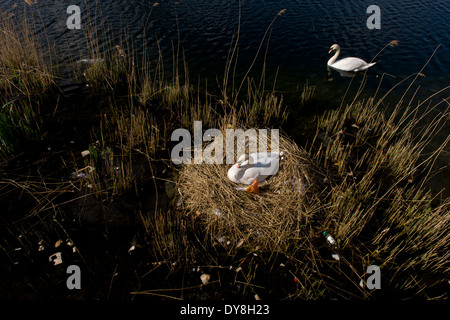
pixel 253 188
pixel 239 165
pixel 330 50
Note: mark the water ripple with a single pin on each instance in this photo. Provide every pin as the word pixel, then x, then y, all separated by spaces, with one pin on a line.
pixel 299 39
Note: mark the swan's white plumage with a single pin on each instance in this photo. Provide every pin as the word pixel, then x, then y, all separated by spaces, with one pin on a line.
pixel 258 165
pixel 350 64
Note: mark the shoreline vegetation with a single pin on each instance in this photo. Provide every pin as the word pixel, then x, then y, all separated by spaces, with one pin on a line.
pixel 141 227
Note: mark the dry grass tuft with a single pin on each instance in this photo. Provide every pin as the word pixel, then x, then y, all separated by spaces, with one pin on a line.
pixel 23 69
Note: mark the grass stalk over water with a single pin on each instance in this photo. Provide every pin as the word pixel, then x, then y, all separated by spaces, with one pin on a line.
pixel 23 69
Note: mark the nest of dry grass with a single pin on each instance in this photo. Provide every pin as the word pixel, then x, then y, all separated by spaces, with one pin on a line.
pixel 278 218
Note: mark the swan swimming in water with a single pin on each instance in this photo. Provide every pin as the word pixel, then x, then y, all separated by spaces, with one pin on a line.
pixel 253 168
pixel 349 64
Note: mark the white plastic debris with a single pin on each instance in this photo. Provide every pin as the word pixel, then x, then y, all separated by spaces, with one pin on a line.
pixel 218 212
pixel 77 175
pixel 205 278
pixel 131 249
pixel 336 256
pixel 85 153
pixel 257 297
pixel 56 258
pixel 180 200
pixel 90 61
pixel 332 243
pixel 240 243
pixel 238 269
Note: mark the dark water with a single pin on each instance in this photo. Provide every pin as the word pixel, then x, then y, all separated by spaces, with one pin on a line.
pixel 297 43
pixel 299 40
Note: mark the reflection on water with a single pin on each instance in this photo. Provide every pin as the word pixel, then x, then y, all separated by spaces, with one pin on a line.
pixel 296 48
pixel 299 40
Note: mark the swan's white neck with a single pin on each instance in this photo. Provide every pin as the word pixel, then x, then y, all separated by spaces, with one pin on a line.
pixel 333 58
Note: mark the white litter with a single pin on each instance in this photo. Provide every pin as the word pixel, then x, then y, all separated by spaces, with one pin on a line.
pixel 218 212
pixel 205 278
pixel 90 61
pixel 41 245
pixel 180 200
pixel 56 258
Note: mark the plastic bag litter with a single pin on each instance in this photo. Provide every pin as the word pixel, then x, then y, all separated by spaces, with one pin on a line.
pixel 205 278
pixel 55 258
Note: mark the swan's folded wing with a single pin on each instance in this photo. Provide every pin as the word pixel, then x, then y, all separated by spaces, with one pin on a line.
pixel 349 64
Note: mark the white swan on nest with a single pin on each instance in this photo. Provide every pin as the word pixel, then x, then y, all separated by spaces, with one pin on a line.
pixel 253 168
pixel 349 64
